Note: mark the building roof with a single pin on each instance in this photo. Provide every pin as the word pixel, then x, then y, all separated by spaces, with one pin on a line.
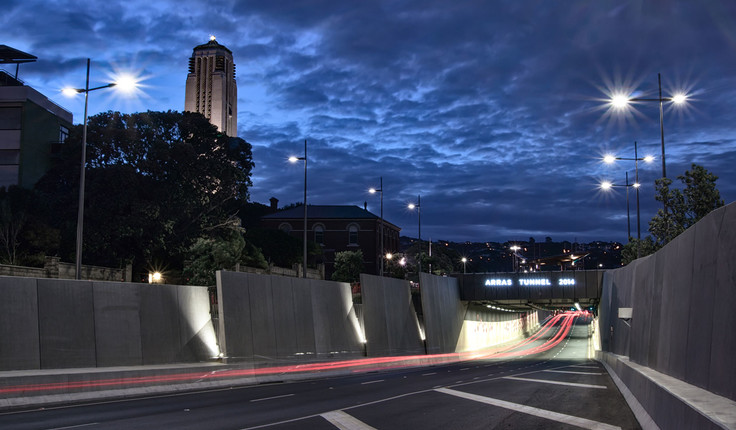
pixel 324 212
pixel 212 44
pixel 13 56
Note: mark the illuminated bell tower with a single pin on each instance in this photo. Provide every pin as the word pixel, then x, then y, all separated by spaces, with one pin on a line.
pixel 211 89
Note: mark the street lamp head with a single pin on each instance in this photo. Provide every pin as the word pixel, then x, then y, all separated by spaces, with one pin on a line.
pixel 679 98
pixel 620 101
pixel 389 256
pixel 464 260
pixel 412 206
pixel 609 159
pixel 648 159
pixel 372 190
pixel 636 185
pixel 70 92
pixel 127 84
pixel 605 185
pixel 293 159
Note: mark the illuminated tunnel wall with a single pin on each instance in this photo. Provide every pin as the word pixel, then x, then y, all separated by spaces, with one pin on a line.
pixel 52 323
pixel 683 321
pixel 454 325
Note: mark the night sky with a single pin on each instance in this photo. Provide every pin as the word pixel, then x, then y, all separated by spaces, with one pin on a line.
pixel 493 111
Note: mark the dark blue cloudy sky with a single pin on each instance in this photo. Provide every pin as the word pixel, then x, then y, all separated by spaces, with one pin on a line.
pixel 493 111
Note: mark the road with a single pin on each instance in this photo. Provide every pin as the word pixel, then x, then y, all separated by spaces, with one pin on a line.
pixel 546 382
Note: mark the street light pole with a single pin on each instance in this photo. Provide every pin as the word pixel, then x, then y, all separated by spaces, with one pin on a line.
pixel 304 237
pixel 648 159
pixel 419 217
pixel 373 191
pixel 80 211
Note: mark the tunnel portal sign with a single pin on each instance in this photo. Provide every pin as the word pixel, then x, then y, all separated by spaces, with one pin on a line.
pixel 528 282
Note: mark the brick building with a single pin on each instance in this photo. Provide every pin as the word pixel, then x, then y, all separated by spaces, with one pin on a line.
pixel 339 228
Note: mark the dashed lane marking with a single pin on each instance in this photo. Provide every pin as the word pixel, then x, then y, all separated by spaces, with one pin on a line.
pixel 271 398
pixel 529 410
pixel 545 381
pixel 372 382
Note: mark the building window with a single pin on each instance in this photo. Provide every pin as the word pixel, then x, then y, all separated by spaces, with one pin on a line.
pixel 285 227
pixel 63 134
pixel 319 234
pixel 353 234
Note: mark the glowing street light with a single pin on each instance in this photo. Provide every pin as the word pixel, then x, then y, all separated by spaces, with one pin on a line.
pixel 606 186
pixel 621 101
pixel 373 191
pixel 418 207
pixel 294 159
pixel 464 260
pixel 126 84
pixel 514 249
pixel 647 159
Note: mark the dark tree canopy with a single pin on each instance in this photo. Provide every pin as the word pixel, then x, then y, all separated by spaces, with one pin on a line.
pixel 155 182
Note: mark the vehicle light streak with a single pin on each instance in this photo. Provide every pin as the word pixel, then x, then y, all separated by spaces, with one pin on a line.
pixel 563 322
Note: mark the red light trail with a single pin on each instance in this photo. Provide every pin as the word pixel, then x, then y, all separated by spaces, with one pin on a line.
pixel 565 322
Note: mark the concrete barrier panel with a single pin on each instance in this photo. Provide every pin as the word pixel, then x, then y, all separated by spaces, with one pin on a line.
pixel 390 321
pixel 705 265
pixel 336 326
pixel 722 378
pixel 67 328
pixel 159 324
pixel 672 348
pixel 443 312
pixel 19 338
pixel 262 316
pixel 234 308
pixel 282 290
pixel 197 341
pixel 117 308
pixel 306 343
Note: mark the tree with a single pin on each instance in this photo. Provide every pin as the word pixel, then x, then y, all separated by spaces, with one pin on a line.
pixel 684 208
pixel 155 182
pixel 24 238
pixel 348 266
pixel 13 216
pixel 631 250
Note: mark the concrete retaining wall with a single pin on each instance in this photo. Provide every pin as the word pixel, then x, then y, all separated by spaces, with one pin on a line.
pixel 683 322
pixel 51 324
pixel 683 325
pixel 271 317
pixel 390 320
pixel 443 312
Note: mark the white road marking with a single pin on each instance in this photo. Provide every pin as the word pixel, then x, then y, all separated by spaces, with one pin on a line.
pixel 73 427
pixel 572 372
pixel 545 381
pixel 584 367
pixel 344 421
pixel 537 412
pixel 271 398
pixel 427 374
pixel 372 382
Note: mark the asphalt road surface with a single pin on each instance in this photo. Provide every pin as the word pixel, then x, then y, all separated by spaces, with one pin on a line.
pixel 546 382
